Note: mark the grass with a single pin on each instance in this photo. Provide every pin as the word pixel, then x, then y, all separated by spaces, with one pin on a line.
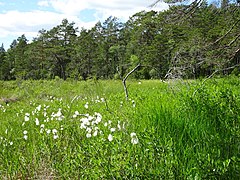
pixel 87 130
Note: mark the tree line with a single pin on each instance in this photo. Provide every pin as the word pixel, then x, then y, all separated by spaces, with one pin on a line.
pixel 185 41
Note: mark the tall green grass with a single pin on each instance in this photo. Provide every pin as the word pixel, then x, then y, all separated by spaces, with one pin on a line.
pixel 87 130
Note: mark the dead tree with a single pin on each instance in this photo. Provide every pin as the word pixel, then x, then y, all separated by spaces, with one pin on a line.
pixel 125 78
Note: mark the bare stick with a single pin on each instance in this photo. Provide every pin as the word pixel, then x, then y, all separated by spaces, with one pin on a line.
pixel 125 78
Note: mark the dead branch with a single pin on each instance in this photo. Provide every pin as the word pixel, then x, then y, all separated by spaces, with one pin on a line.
pixel 125 78
pixel 234 40
pixel 222 37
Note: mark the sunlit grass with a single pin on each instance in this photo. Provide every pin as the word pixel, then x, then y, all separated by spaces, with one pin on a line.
pixel 87 130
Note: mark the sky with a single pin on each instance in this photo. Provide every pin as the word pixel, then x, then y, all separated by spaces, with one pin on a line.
pixel 27 17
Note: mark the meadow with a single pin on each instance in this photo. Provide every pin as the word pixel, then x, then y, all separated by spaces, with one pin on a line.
pixel 88 130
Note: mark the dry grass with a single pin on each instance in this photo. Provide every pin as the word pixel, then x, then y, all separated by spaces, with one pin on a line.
pixel 8 100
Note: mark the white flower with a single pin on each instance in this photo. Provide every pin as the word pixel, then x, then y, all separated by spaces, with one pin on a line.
pixel 85 123
pixel 48 131
pixel 98 117
pixel 38 108
pixel 113 129
pixel 89 130
pixel 25 137
pixel 88 135
pixel 105 124
pixel 55 136
pixel 86 105
pixel 90 118
pixel 54 131
pixel 133 135
pixel 95 133
pixel 61 127
pixel 76 113
pixel 83 126
pixel 42 126
pixel 25 132
pixel 26 118
pixel 11 143
pixel 119 126
pixel 121 104
pixel 123 126
pixel 37 122
pixel 58 115
pixel 134 139
pixel 133 103
pixel 74 116
pixel 110 137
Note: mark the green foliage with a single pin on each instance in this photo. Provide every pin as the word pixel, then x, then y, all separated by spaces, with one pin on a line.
pixel 167 130
pixel 186 41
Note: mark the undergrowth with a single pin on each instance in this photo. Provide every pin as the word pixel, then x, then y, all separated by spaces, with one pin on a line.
pixel 87 130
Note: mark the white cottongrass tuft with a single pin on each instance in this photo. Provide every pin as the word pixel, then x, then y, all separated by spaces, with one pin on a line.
pixel 25 137
pixel 133 103
pixel 48 131
pixel 95 133
pixel 88 135
pixel 37 122
pixel 54 131
pixel 38 108
pixel 119 126
pixel 86 105
pixel 113 129
pixel 110 137
pixel 26 118
pixel 134 139
pixel 55 136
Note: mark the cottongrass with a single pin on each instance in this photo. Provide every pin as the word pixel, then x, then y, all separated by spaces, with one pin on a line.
pixel 161 135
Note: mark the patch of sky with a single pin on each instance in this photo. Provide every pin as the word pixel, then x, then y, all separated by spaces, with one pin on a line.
pixel 22 6
pixel 87 15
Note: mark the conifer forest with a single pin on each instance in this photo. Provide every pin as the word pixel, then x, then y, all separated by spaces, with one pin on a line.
pixel 186 41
